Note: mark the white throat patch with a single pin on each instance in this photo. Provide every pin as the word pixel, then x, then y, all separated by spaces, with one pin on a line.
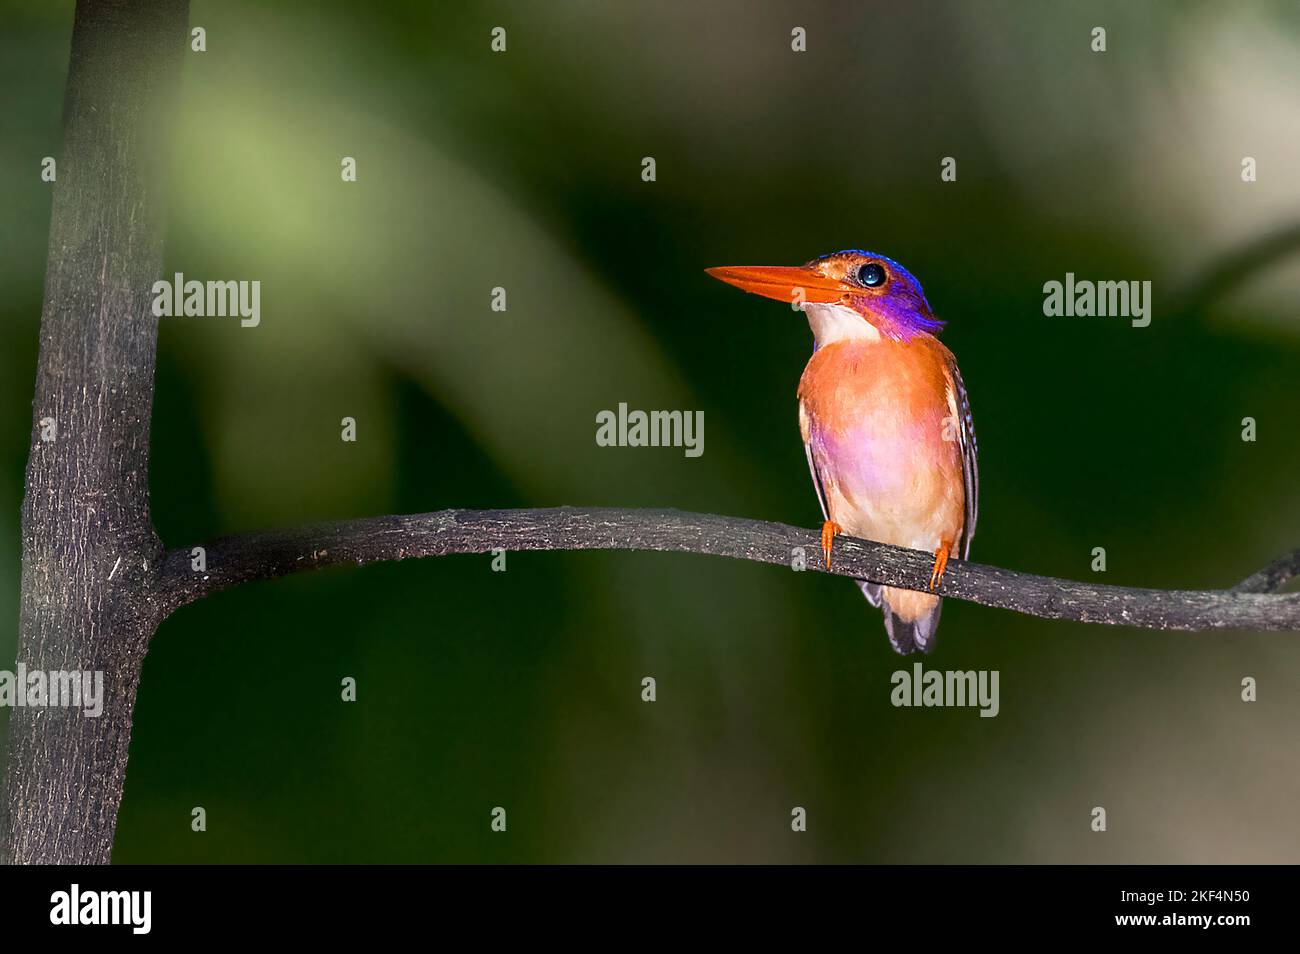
pixel 831 323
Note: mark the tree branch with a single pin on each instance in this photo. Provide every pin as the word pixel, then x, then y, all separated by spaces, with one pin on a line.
pixel 1212 281
pixel 1273 577
pixel 88 545
pixel 260 556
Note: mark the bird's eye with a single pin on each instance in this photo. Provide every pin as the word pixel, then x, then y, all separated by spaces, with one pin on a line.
pixel 871 275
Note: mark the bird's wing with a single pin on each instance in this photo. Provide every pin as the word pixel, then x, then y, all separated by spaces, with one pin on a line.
pixel 870 590
pixel 969 458
pixel 816 479
pixel 805 429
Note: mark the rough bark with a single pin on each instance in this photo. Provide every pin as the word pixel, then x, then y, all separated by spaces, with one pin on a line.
pixel 88 545
pixel 233 560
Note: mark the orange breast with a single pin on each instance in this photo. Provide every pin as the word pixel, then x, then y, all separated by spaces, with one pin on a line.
pixel 880 419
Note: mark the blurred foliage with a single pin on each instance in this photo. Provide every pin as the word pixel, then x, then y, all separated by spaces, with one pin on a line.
pixel 522 170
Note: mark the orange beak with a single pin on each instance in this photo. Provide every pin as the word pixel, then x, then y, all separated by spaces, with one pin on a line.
pixel 785 283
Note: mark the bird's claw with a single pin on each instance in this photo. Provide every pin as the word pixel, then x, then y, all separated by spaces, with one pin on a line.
pixel 940 564
pixel 829 529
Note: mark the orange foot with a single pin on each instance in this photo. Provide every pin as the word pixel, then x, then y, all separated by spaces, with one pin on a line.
pixel 829 529
pixel 940 564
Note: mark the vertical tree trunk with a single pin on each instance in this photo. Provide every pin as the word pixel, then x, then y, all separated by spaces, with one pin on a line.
pixel 88 547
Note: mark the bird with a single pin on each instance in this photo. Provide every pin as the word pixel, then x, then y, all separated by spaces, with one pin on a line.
pixel 885 420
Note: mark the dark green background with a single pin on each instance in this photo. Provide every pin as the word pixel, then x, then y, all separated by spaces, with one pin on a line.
pixel 522 169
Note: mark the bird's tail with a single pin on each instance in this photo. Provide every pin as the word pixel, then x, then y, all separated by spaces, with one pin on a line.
pixel 911 618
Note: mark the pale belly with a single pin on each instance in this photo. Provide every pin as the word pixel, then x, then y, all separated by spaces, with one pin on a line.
pixel 885 448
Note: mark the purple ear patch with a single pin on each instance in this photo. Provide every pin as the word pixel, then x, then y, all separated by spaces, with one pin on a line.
pixel 900 315
pixel 901 309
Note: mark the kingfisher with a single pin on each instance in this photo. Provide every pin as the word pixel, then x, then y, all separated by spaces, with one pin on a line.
pixel 885 420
